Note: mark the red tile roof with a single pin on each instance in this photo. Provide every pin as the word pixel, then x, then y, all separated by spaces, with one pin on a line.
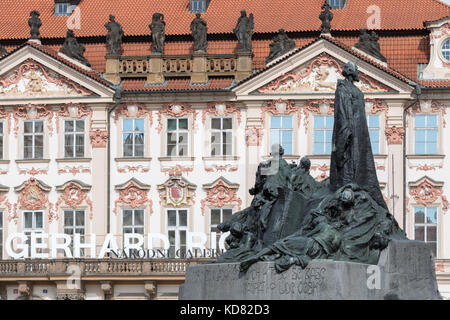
pixel 270 15
pixel 435 84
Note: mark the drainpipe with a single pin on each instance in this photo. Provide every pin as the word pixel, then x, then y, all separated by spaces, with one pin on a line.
pixel 117 98
pixel 418 92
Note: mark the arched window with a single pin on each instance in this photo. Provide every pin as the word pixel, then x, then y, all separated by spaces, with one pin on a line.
pixel 446 49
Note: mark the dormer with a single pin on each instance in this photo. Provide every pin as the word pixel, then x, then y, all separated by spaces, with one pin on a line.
pixel 439 66
pixel 65 7
pixel 337 4
pixel 198 6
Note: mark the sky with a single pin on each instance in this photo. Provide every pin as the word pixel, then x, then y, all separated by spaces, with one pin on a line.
pixel 446 1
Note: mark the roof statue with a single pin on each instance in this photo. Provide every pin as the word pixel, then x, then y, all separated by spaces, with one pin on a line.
pixel 281 44
pixel 73 49
pixel 326 16
pixel 3 51
pixel 244 31
pixel 35 23
pixel 199 32
pixel 294 219
pixel 157 28
pixel 369 44
pixel 114 36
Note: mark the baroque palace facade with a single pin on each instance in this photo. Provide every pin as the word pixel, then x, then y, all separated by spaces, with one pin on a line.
pixel 166 145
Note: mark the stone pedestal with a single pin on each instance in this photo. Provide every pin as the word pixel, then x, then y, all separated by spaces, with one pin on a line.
pixel 112 69
pixel 244 66
pixel 155 75
pixel 199 73
pixel 405 271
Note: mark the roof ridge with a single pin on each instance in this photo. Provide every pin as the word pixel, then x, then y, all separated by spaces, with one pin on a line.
pixel 442 3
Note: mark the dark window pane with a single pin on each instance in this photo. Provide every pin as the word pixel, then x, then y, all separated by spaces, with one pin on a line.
pixel 227 213
pixel 171 124
pixel 39 219
pixel 419 215
pixel 183 124
pixel 419 233
pixel 215 216
pixel 182 214
pixel 431 233
pixel 28 127
pixel 127 217
pixel 38 126
pixel 68 126
pixel 139 217
pixel 171 218
pixel 80 125
pixel 79 217
pixel 68 218
pixel 227 123
pixel 215 124
pixel 28 219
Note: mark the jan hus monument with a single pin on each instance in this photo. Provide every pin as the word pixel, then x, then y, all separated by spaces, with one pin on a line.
pixel 303 239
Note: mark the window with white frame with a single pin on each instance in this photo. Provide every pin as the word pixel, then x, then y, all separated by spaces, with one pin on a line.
pixel 1 140
pixel 132 222
pixel 217 217
pixel 74 222
pixel 425 226
pixel 177 226
pixel 323 133
pixel 337 4
pixel 33 139
pixel 33 222
pixel 74 138
pixel 62 9
pixel 133 137
pixel 446 49
pixel 425 134
pixel 198 6
pixel 281 132
pixel 373 123
pixel 221 136
pixel 177 137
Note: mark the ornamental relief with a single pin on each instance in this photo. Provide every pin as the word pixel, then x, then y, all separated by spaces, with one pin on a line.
pixel 74 111
pixel 133 110
pixel 133 194
pixel 176 192
pixel 281 107
pixel 219 194
pixel 33 80
pixel 73 195
pixel 253 136
pixel 320 75
pixel 427 192
pixel 33 112
pixel 177 110
pixel 33 195
pixel 221 109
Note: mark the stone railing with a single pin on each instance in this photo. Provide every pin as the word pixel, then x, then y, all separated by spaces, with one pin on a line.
pixel 96 267
pixel 198 67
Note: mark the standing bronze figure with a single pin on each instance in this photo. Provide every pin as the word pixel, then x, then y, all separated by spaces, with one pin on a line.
pixel 199 31
pixel 73 49
pixel 351 156
pixel 369 44
pixel 326 16
pixel 35 23
pixel 244 31
pixel 114 36
pixel 158 28
pixel 281 44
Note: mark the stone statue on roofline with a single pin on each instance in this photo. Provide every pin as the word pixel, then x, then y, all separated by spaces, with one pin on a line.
pixel 35 23
pixel 3 51
pixel 281 44
pixel 244 31
pixel 114 36
pixel 73 49
pixel 326 16
pixel 158 29
pixel 199 33
pixel 369 44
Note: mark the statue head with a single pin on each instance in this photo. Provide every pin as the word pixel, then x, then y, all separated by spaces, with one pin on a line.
pixel 243 13
pixel 70 33
pixel 305 163
pixel 350 71
pixel 112 17
pixel 198 15
pixel 34 13
pixel 347 197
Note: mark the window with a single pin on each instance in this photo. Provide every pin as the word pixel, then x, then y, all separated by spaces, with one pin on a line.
pixel 1 235
pixel 33 222
pixel 425 226
pixel 217 217
pixel 33 139
pixel 323 132
pixel 74 138
pixel 1 140
pixel 74 223
pixel 337 4
pixel 177 222
pixel 373 122
pixel 446 49
pixel 198 6
pixel 177 137
pixel 281 132
pixel 133 137
pixel 221 136
pixel 425 134
pixel 133 221
pixel 62 9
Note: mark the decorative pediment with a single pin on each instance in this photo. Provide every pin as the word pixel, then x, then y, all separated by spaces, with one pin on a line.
pixel 220 193
pixel 134 194
pixel 33 195
pixel 176 192
pixel 426 191
pixel 319 75
pixel 74 193
pixel 32 80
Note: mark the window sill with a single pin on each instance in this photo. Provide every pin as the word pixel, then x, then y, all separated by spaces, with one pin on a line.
pixel 425 156
pixel 132 159
pixel 33 161
pixel 73 160
pixel 224 158
pixel 176 158
pixel 5 161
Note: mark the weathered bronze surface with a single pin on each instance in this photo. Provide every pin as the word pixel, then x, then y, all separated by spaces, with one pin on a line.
pixel 158 29
pixel 35 23
pixel 244 31
pixel 294 219
pixel 199 31
pixel 369 44
pixel 326 16
pixel 281 44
